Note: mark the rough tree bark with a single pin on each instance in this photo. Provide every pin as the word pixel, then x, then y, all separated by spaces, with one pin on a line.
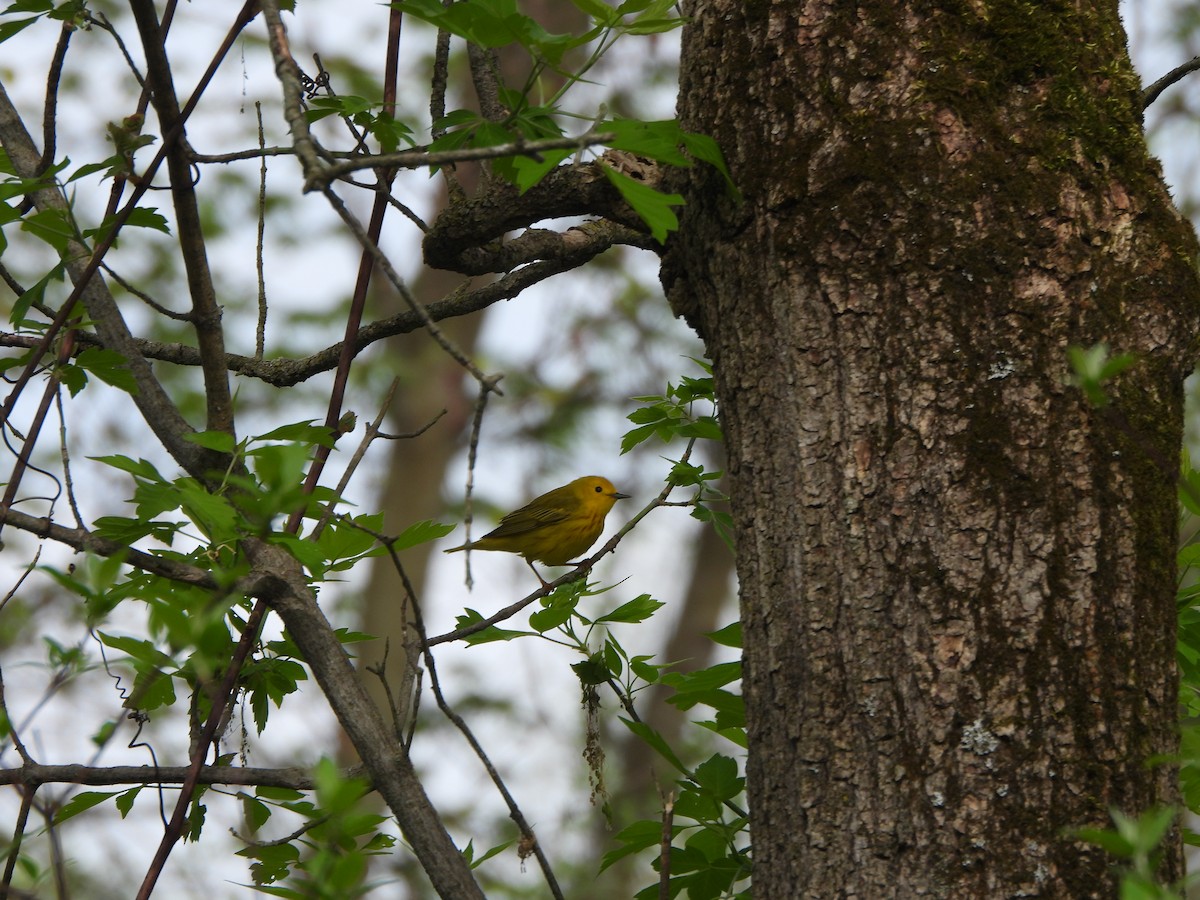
pixel 957 579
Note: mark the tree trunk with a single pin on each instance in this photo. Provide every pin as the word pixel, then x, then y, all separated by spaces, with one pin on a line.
pixel 956 577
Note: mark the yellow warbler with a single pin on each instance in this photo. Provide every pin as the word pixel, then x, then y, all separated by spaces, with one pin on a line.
pixel 556 526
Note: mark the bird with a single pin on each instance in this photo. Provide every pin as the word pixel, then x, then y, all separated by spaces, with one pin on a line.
pixel 555 527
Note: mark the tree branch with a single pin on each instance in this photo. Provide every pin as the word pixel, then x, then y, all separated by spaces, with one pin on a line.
pixel 206 314
pixel 152 401
pixel 33 775
pixel 1151 93
pixel 81 539
pixel 468 237
pixel 386 761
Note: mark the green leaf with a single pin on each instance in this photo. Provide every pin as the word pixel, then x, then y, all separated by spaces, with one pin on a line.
pixel 8 29
pixel 113 164
pixel 527 171
pixel 1107 840
pixel 278 794
pixel 487 635
pixel 73 377
pixel 655 741
pixel 125 530
pixel 644 670
pixel 138 468
pixel 593 670
pixel 598 10
pixel 635 838
pixel 697 804
pixel 657 413
pixel 125 801
pixel 51 226
pixel 220 441
pixel 705 149
pixel 255 812
pixel 551 617
pixel 137 649
pixel 152 690
pixel 706 428
pixel 82 802
pixel 1146 831
pixel 304 432
pixel 657 140
pixel 652 207
pixel 35 294
pixel 308 554
pixel 420 533
pixel 729 636
pixel 637 436
pixel 718 777
pixel 110 367
pixel 712 843
pixel 341 540
pixel 138 217
pixel 704 679
pixel 490 24
pixel 468 853
pixel 212 514
pixel 636 610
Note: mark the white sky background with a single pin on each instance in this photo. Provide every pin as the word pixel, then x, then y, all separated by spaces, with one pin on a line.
pixel 309 270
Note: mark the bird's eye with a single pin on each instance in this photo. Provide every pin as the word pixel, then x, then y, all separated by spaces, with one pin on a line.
pixel 599 490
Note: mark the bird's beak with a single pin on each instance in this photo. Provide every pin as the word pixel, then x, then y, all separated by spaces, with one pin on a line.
pixel 617 495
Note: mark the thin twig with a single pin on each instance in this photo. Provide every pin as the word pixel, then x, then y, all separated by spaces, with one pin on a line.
pixel 472 455
pixel 29 568
pixel 419 159
pixel 402 289
pixel 101 21
pixel 514 811
pixel 14 850
pixel 372 431
pixel 39 417
pixel 1150 94
pixel 219 700
pixel 53 79
pixel 260 331
pixel 664 850
pixel 297 778
pixel 437 105
pixel 145 298
pixel 409 435
pixel 380 672
pixel 68 485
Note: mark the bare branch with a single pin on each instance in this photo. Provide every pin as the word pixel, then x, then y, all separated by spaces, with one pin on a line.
pixel 288 73
pixel 1150 94
pixel 33 775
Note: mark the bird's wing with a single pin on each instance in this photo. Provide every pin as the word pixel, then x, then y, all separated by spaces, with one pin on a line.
pixel 525 520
